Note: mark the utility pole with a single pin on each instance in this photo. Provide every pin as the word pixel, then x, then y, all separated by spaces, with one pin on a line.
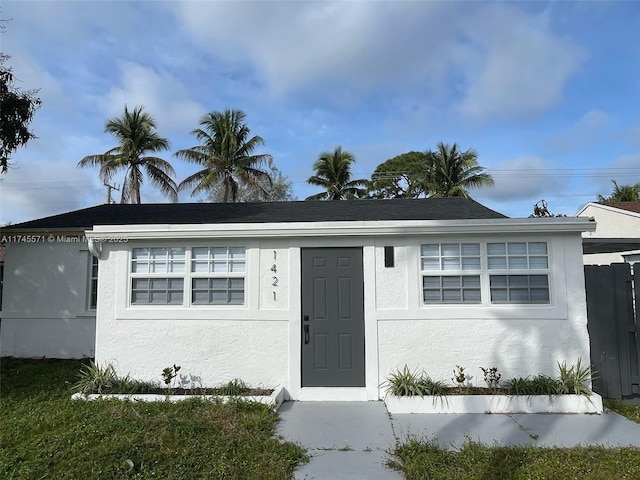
pixel 109 188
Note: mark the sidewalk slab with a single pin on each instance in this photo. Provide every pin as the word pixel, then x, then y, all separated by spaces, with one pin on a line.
pixel 345 440
pixel 543 430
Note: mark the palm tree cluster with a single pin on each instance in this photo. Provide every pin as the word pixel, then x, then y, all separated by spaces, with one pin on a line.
pixel 225 152
pixel 622 193
pixel 443 172
pixel 231 171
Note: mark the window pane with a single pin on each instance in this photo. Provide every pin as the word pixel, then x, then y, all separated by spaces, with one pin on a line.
pixel 498 280
pixel 158 253
pixel 200 253
pixel 540 295
pixel 158 283
pixel 430 264
pixel 236 266
pixel 236 283
pixel 469 249
pixel 138 253
pixel 236 297
pixel 471 296
pixel 200 267
pixel 499 295
pixel 450 264
pixel 176 253
pixel 497 263
pixel 175 298
pixel 219 267
pixel 157 297
pixel 219 253
pixel 431 282
pixel 200 283
pixel 516 281
pixel 430 250
pixel 218 297
pixel 517 263
pixel 496 249
pixel 236 253
pixel 471 263
pixel 519 248
pixel 218 283
pixel 449 282
pixel 519 295
pixel 538 280
pixel 537 248
pixel 450 249
pixel 538 263
pixel 432 296
pixel 176 284
pixel 451 296
pixel 139 297
pixel 472 281
pixel 200 296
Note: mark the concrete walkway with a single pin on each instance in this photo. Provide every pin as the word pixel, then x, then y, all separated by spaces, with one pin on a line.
pixel 352 440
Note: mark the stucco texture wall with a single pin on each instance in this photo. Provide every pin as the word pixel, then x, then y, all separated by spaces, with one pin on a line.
pixel 518 345
pixel 45 301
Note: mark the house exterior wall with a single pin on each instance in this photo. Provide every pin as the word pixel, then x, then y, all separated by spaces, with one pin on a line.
pixel 259 342
pixel 610 223
pixel 45 307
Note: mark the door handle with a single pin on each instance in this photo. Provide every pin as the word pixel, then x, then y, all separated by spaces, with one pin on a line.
pixel 306 334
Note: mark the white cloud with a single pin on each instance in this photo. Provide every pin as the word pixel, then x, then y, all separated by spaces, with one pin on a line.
pixel 587 131
pixel 513 64
pixel 164 97
pixel 498 60
pixel 523 178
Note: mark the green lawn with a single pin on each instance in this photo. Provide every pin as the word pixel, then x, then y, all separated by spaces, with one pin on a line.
pixel 632 412
pixel 474 461
pixel 46 435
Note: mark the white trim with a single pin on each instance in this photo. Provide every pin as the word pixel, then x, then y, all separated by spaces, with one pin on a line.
pixel 342 229
pixel 609 208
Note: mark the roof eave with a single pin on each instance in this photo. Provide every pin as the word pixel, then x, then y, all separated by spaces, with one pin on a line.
pixel 341 229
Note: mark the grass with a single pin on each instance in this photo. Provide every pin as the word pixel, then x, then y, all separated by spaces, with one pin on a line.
pixel 474 461
pixel 632 412
pixel 46 435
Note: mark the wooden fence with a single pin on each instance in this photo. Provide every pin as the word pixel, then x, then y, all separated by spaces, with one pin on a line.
pixel 614 328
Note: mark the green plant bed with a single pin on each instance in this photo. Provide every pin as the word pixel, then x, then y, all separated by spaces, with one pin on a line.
pixel 46 435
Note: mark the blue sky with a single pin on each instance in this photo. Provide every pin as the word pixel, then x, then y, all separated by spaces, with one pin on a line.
pixel 546 93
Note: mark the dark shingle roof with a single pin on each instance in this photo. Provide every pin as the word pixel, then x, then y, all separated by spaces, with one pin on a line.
pixel 629 206
pixel 454 208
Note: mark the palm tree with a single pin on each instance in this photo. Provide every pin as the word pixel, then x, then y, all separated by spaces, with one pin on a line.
pixel 622 193
pixel 453 172
pixel 225 153
pixel 137 136
pixel 333 173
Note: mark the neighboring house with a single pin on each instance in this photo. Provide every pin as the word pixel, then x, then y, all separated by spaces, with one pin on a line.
pixel 325 298
pixel 617 235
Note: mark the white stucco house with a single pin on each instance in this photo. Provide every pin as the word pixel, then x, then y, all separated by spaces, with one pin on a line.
pixel 617 234
pixel 323 298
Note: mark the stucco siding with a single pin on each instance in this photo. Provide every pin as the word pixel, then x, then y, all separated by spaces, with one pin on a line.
pixel 610 223
pixel 45 309
pixel 259 341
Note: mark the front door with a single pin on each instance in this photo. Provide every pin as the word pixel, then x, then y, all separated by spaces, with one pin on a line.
pixel 332 317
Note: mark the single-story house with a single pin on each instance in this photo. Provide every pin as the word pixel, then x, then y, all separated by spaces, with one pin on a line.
pixel 617 234
pixel 324 298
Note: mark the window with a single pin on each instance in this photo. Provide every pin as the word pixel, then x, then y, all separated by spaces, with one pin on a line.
pixel 450 260
pixel 93 283
pixel 518 272
pixel 157 275
pixel 215 276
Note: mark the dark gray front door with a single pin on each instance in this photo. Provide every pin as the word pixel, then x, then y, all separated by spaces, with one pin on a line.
pixel 332 317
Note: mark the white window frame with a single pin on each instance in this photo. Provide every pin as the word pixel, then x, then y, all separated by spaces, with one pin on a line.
pixel 519 265
pixel 92 287
pixel 450 266
pixel 187 276
pixel 231 268
pixel 166 269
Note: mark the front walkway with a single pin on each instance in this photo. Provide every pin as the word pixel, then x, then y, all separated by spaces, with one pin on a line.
pixel 351 440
